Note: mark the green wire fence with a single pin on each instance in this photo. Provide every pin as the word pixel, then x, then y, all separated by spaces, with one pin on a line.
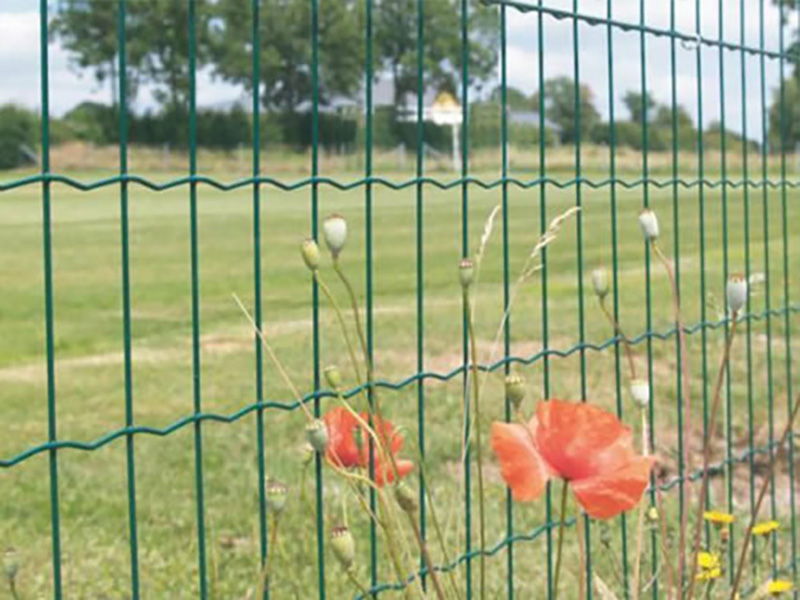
pixel 757 184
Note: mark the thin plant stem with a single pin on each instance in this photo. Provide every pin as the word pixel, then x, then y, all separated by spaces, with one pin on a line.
pixel 686 390
pixel 426 557
pixel 698 526
pixel 478 440
pixel 355 581
pixel 275 360
pixel 761 494
pixel 263 579
pixel 337 311
pixel 626 345
pixel 662 523
pixel 382 443
pixel 561 527
pixel 637 565
pixel 581 551
pixel 435 521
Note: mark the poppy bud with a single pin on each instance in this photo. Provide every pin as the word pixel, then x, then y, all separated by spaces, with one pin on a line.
pixel 515 390
pixel 11 564
pixel 648 221
pixel 334 229
pixel 276 494
pixel 333 376
pixel 466 272
pixel 640 390
pixel 310 252
pixel 307 453
pixel 343 546
pixel 405 497
pixel 317 434
pixel 600 282
pixel 652 514
pixel 736 292
pixel 605 534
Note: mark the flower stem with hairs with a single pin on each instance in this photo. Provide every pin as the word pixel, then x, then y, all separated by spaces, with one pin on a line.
pixel 560 547
pixel 712 423
pixel 686 391
pixel 761 494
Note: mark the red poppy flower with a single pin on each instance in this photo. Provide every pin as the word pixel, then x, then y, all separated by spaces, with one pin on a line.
pixel 348 444
pixel 580 443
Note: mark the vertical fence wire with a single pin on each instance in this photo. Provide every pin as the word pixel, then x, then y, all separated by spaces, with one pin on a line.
pixel 612 171
pixel 767 270
pixel 255 37
pixel 544 275
pixel 577 103
pixel 683 405
pixel 701 219
pixel 504 142
pixel 195 275
pixel 315 309
pixel 787 325
pixel 368 275
pixel 420 271
pixel 49 314
pixel 747 274
pixel 126 295
pixel 725 272
pixel 654 542
pixel 464 29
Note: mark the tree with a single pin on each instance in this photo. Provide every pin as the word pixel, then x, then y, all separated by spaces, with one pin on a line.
pixel 515 98
pixel 560 108
pixel 637 104
pixel 87 29
pixel 396 26
pixel 157 43
pixel 18 129
pixel 286 49
pixel 784 116
pixel 687 134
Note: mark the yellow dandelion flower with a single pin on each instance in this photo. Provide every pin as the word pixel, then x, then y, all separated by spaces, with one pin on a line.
pixel 766 528
pixel 707 561
pixel 709 574
pixel 778 587
pixel 718 517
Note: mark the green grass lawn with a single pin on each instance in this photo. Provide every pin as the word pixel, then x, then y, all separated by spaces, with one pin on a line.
pixel 90 390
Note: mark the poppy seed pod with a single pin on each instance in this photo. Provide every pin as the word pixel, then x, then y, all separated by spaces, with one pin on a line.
pixel 343 546
pixel 736 292
pixel 648 221
pixel 334 229
pixel 640 391
pixel 307 453
pixel 515 390
pixel 276 493
pixel 310 252
pixel 466 272
pixel 600 282
pixel 317 434
pixel 11 563
pixel 405 497
pixel 333 376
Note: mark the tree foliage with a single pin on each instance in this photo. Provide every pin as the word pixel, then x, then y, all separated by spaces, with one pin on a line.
pixel 567 114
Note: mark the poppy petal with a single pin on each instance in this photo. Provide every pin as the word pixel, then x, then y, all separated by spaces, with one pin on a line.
pixel 342 447
pixel 579 440
pixel 521 465
pixel 608 495
pixel 386 474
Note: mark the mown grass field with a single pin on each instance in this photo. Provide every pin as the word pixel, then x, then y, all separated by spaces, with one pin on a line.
pixel 90 377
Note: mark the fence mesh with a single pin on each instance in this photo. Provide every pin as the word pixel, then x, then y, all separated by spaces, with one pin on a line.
pixel 690 188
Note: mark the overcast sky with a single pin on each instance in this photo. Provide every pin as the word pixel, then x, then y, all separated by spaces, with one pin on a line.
pixel 19 58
